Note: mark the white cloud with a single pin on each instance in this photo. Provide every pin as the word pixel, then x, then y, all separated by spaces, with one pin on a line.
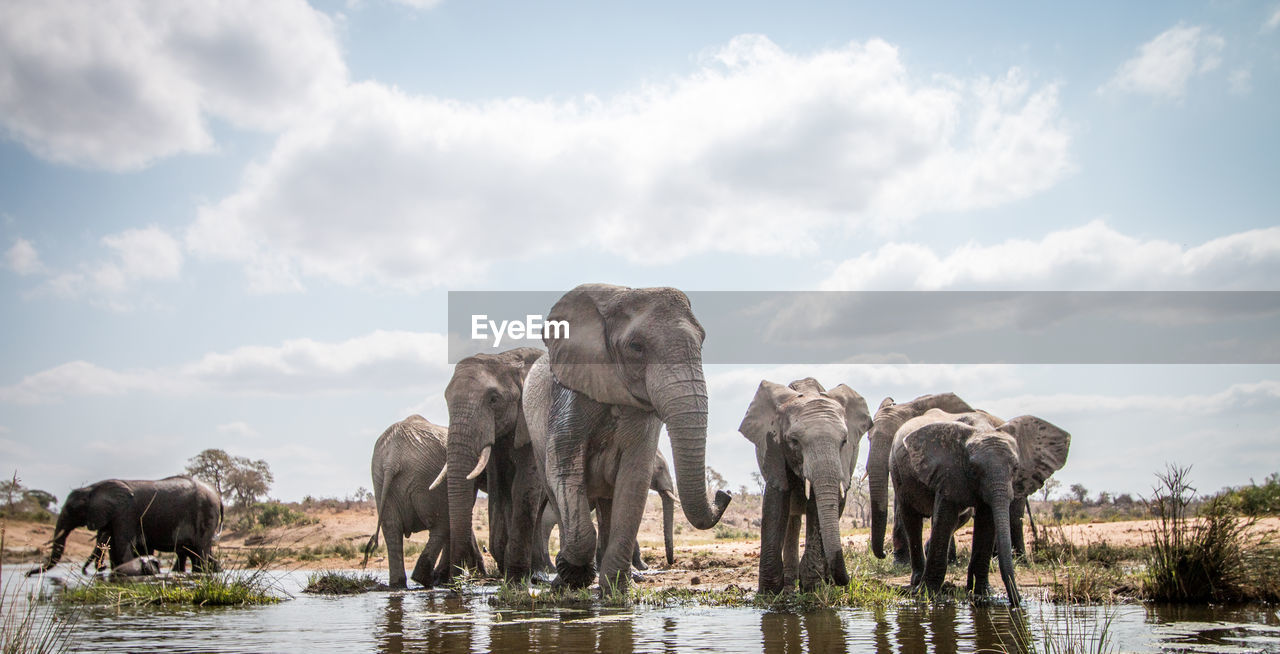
pixel 1273 21
pixel 22 258
pixel 1165 64
pixel 756 151
pixel 1091 257
pixel 138 255
pixel 118 85
pixel 1237 396
pixel 238 428
pixel 380 360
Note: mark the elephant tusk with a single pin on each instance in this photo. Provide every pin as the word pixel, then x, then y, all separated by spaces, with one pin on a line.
pixel 671 496
pixel 807 488
pixel 484 461
pixel 440 477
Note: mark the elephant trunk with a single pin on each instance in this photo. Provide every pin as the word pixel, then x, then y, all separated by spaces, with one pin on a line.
pixel 825 474
pixel 467 437
pixel 1004 544
pixel 680 399
pixel 668 525
pixel 60 534
pixel 878 477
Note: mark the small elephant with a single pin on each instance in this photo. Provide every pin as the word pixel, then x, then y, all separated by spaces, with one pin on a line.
pixel 487 438
pixel 665 487
pixel 943 463
pixel 806 437
pixel 142 566
pixel 595 405
pixel 407 457
pixel 136 517
pixel 889 417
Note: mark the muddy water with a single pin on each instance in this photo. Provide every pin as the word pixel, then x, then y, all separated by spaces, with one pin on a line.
pixel 435 621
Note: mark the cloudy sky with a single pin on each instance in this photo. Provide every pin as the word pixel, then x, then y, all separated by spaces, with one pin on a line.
pixel 235 224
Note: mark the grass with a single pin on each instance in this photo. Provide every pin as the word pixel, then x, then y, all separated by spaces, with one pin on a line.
pixel 28 624
pixel 1210 558
pixel 1077 632
pixel 221 589
pixel 342 583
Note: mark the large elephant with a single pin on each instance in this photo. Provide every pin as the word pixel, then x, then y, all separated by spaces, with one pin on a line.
pixel 943 463
pixel 806 437
pixel 664 485
pixel 889 417
pixel 487 437
pixel 175 514
pixel 631 361
pixel 407 458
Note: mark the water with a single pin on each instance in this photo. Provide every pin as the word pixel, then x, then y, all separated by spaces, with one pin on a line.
pixel 435 621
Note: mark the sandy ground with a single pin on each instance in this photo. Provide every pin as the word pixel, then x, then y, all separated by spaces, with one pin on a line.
pixel 701 561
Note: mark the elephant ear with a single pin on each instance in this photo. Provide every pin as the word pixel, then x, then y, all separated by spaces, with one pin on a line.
pixel 762 426
pixel 584 361
pixel 1042 451
pixel 857 420
pixel 938 457
pixel 109 498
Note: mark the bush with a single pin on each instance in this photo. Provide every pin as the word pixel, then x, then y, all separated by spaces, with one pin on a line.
pixel 275 514
pixel 727 532
pixel 1255 500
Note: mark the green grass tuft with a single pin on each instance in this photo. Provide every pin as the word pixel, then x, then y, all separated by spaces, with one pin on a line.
pixel 342 583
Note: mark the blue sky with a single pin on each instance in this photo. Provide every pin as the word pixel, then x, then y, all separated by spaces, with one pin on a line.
pixel 235 226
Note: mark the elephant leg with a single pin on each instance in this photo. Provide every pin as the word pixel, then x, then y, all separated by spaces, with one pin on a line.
pixel 984 540
pixel 1018 540
pixel 630 491
pixel 901 550
pixel 424 569
pixel 180 561
pixel 499 518
pixel 774 540
pixel 541 541
pixel 791 550
pixel 913 533
pixel 393 533
pixel 637 561
pixel 522 509
pixel 604 514
pixel 942 526
pixel 548 520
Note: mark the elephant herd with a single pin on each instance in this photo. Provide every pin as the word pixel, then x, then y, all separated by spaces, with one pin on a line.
pixel 553 437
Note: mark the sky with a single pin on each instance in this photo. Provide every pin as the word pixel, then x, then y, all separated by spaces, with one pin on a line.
pixel 235 224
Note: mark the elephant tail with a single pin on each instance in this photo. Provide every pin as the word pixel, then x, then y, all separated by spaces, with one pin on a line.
pixel 378 498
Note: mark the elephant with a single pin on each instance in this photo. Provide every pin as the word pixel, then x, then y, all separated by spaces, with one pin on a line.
pixel 806 437
pixel 665 487
pixel 98 557
pixel 136 517
pixel 407 458
pixel 942 463
pixel 487 437
pixel 595 405
pixel 889 417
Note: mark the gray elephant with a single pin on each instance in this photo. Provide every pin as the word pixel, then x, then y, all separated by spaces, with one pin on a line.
pixel 806 437
pixel 889 417
pixel 664 485
pixel 407 457
pixel 487 437
pixel 632 360
pixel 943 463
pixel 136 517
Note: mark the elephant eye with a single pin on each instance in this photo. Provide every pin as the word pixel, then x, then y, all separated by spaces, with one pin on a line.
pixel 636 346
pixel 493 397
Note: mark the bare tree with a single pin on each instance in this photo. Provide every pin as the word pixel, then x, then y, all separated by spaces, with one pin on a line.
pixel 715 479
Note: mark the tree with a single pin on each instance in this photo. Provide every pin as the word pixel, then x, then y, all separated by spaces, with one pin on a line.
pixel 213 466
pixel 1080 492
pixel 237 479
pixel 758 480
pixel 248 481
pixel 715 479
pixel 1050 485
pixel 42 499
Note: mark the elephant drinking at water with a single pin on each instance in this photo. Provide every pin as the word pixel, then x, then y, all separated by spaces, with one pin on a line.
pixel 806 437
pixel 136 517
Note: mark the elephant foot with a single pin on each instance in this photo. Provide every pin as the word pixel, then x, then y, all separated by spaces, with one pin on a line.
pixel 637 578
pixel 542 577
pixel 639 564
pixel 901 557
pixel 426 580
pixel 516 575
pixel 397 585
pixel 573 576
